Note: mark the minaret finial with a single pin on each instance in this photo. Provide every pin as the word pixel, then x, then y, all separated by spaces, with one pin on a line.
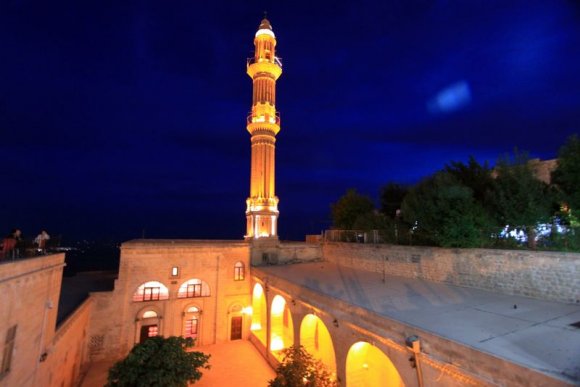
pixel 265 14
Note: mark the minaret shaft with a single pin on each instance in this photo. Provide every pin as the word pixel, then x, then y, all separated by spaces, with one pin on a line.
pixel 263 124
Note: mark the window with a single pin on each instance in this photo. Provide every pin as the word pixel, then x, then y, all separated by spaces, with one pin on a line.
pixel 191 327
pixel 239 271
pixel 152 330
pixel 193 288
pixel 149 314
pixel 175 271
pixel 8 350
pixel 151 291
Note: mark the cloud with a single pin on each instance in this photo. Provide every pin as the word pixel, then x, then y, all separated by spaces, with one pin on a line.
pixel 451 98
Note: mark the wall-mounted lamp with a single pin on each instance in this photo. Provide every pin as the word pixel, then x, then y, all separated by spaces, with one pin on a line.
pixel 294 302
pixel 335 322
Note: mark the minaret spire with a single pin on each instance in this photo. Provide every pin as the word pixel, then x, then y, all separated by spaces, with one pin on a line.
pixel 263 124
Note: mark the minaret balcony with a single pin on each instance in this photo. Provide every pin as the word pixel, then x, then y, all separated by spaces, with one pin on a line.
pixel 256 67
pixel 262 119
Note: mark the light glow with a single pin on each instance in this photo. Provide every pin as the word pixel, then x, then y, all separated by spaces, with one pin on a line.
pixel 265 31
pixel 277 343
pixel 247 310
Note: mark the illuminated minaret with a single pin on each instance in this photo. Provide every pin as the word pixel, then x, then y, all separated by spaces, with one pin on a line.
pixel 263 124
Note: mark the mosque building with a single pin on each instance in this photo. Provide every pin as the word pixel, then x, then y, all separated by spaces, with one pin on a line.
pixel 374 315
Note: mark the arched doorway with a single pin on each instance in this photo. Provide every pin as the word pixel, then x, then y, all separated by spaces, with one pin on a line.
pixel 315 338
pixel 147 324
pixel 368 366
pixel 259 314
pixel 281 327
pixel 191 324
pixel 236 323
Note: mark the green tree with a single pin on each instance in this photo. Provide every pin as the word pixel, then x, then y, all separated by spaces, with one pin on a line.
pixel 299 369
pixel 567 174
pixel 348 208
pixel 158 362
pixel 392 196
pixel 444 212
pixel 473 175
pixel 518 198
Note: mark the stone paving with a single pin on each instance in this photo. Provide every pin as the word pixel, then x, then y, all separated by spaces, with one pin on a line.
pixel 236 363
pixel 534 333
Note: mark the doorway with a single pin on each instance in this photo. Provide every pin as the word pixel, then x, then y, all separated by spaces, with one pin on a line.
pixel 148 331
pixel 236 333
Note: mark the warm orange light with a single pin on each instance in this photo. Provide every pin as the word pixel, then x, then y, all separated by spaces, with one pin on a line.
pixel 366 365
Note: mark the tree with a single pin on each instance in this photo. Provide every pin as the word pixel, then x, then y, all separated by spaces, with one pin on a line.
pixel 159 361
pixel 443 211
pixel 567 174
pixel 300 369
pixel 518 198
pixel 392 196
pixel 472 175
pixel 348 208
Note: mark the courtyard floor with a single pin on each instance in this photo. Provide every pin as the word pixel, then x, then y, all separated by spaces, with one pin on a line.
pixel 236 363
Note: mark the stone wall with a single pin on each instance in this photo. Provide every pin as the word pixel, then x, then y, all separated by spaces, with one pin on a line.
pixel 545 275
pixel 67 359
pixel 117 318
pixel 30 291
pixel 274 252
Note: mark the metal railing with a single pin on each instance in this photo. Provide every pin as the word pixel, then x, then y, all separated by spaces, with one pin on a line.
pixel 266 119
pixel 252 60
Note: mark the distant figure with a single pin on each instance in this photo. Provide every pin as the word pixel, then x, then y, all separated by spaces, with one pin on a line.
pixel 40 241
pixel 10 244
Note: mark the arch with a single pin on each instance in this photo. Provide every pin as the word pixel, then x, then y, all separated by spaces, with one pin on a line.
pixel 366 365
pixel 259 313
pixel 315 338
pixel 191 323
pixel 281 327
pixel 239 271
pixel 151 291
pixel 147 323
pixel 193 288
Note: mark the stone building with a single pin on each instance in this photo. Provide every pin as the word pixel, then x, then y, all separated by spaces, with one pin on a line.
pixel 374 315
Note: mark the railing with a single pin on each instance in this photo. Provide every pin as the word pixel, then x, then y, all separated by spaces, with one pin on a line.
pixel 264 119
pixel 252 60
pixel 354 236
pixel 25 249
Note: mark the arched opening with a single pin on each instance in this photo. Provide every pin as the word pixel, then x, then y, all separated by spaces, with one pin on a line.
pixel 239 271
pixel 281 327
pixel 368 366
pixel 147 324
pixel 191 324
pixel 315 338
pixel 151 291
pixel 236 321
pixel 259 322
pixel 193 288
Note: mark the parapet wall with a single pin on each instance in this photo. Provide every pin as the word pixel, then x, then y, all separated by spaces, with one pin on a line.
pixel 544 275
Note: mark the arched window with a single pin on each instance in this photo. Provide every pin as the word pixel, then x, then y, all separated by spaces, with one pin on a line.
pixel 150 314
pixel 151 291
pixel 239 271
pixel 193 288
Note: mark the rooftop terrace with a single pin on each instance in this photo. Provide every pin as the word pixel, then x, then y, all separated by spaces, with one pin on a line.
pixel 533 333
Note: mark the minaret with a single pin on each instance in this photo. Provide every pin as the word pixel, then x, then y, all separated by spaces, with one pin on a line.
pixel 263 124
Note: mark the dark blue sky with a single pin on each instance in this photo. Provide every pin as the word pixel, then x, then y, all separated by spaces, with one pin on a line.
pixel 121 116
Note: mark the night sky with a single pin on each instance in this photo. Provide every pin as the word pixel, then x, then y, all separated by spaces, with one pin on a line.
pixel 122 117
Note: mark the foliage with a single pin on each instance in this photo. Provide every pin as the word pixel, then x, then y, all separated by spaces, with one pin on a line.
pixel 518 198
pixel 476 177
pixel 443 211
pixel 392 196
pixel 299 368
pixel 348 208
pixel 159 361
pixel 567 174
